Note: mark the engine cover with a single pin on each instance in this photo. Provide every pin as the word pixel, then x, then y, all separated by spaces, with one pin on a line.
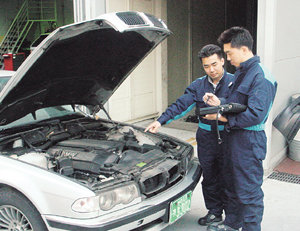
pixel 87 155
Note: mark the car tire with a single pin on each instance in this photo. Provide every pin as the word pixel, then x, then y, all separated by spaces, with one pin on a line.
pixel 18 213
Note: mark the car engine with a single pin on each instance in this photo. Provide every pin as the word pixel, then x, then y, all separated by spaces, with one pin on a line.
pixel 100 154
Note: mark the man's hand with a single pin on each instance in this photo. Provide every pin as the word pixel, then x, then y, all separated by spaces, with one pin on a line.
pixel 153 127
pixel 214 117
pixel 211 100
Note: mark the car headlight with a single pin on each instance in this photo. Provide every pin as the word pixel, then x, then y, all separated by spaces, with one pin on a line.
pixel 120 195
pixel 107 199
pixel 86 205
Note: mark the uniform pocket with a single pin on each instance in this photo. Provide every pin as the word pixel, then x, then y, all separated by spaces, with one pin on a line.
pixel 243 90
pixel 241 95
pixel 259 145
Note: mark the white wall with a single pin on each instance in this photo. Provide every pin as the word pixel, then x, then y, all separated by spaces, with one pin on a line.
pixel 88 9
pixel 140 95
pixel 279 48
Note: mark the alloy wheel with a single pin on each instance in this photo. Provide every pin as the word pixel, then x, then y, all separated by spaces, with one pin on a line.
pixel 12 219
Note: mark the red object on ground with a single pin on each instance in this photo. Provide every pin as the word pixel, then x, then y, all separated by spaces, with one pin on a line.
pixel 13 61
pixel 289 166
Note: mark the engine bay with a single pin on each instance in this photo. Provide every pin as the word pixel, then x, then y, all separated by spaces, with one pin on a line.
pixel 100 153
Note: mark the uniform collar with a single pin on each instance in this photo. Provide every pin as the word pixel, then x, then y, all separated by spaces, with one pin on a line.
pixel 247 64
pixel 210 80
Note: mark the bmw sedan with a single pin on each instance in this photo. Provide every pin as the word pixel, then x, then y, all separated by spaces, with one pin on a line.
pixel 64 168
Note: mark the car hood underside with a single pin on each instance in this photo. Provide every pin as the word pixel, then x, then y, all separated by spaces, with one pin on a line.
pixel 82 63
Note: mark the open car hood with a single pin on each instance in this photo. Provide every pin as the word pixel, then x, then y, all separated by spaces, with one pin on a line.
pixel 82 63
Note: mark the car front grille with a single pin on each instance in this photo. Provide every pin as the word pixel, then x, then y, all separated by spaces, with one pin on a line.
pixel 155 183
pixel 163 176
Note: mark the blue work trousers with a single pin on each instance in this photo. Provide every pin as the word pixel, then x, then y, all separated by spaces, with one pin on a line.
pixel 211 160
pixel 243 172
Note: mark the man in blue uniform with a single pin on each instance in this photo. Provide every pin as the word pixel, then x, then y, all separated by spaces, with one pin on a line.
pixel 218 82
pixel 246 140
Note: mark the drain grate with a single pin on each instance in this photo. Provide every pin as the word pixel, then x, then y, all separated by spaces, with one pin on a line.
pixel 286 177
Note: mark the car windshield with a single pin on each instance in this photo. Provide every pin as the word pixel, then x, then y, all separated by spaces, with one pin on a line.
pixel 42 114
pixel 3 81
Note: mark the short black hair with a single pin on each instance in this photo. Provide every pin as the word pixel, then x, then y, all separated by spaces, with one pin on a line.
pixel 210 50
pixel 237 36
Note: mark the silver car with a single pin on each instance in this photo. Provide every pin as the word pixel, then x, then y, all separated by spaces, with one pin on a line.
pixel 62 169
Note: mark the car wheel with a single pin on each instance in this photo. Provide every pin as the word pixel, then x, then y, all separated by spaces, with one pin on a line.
pixel 17 213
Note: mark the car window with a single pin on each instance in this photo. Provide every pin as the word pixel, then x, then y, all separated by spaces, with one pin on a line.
pixel 3 81
pixel 42 114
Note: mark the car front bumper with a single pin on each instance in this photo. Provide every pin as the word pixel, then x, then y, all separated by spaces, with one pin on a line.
pixel 150 214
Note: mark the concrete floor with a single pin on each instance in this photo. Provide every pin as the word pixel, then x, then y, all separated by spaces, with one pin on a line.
pixel 282 200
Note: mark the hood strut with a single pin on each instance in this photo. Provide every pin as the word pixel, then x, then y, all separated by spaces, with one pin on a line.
pixel 97 108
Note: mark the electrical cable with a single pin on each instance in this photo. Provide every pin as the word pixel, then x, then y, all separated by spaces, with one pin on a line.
pixel 219 112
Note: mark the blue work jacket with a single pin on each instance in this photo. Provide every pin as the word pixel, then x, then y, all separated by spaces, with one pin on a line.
pixel 193 97
pixel 255 87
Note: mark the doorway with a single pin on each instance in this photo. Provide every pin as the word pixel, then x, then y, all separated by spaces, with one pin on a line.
pixel 197 23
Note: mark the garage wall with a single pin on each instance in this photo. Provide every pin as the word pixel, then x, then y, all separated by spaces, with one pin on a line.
pixel 65 14
pixel 279 48
pixel 208 22
pixel 8 11
pixel 179 46
pixel 195 24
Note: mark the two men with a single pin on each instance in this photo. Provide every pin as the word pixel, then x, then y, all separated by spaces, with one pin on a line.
pixel 246 139
pixel 244 148
pixel 210 153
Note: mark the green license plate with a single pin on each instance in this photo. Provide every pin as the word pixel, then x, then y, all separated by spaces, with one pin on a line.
pixel 180 206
